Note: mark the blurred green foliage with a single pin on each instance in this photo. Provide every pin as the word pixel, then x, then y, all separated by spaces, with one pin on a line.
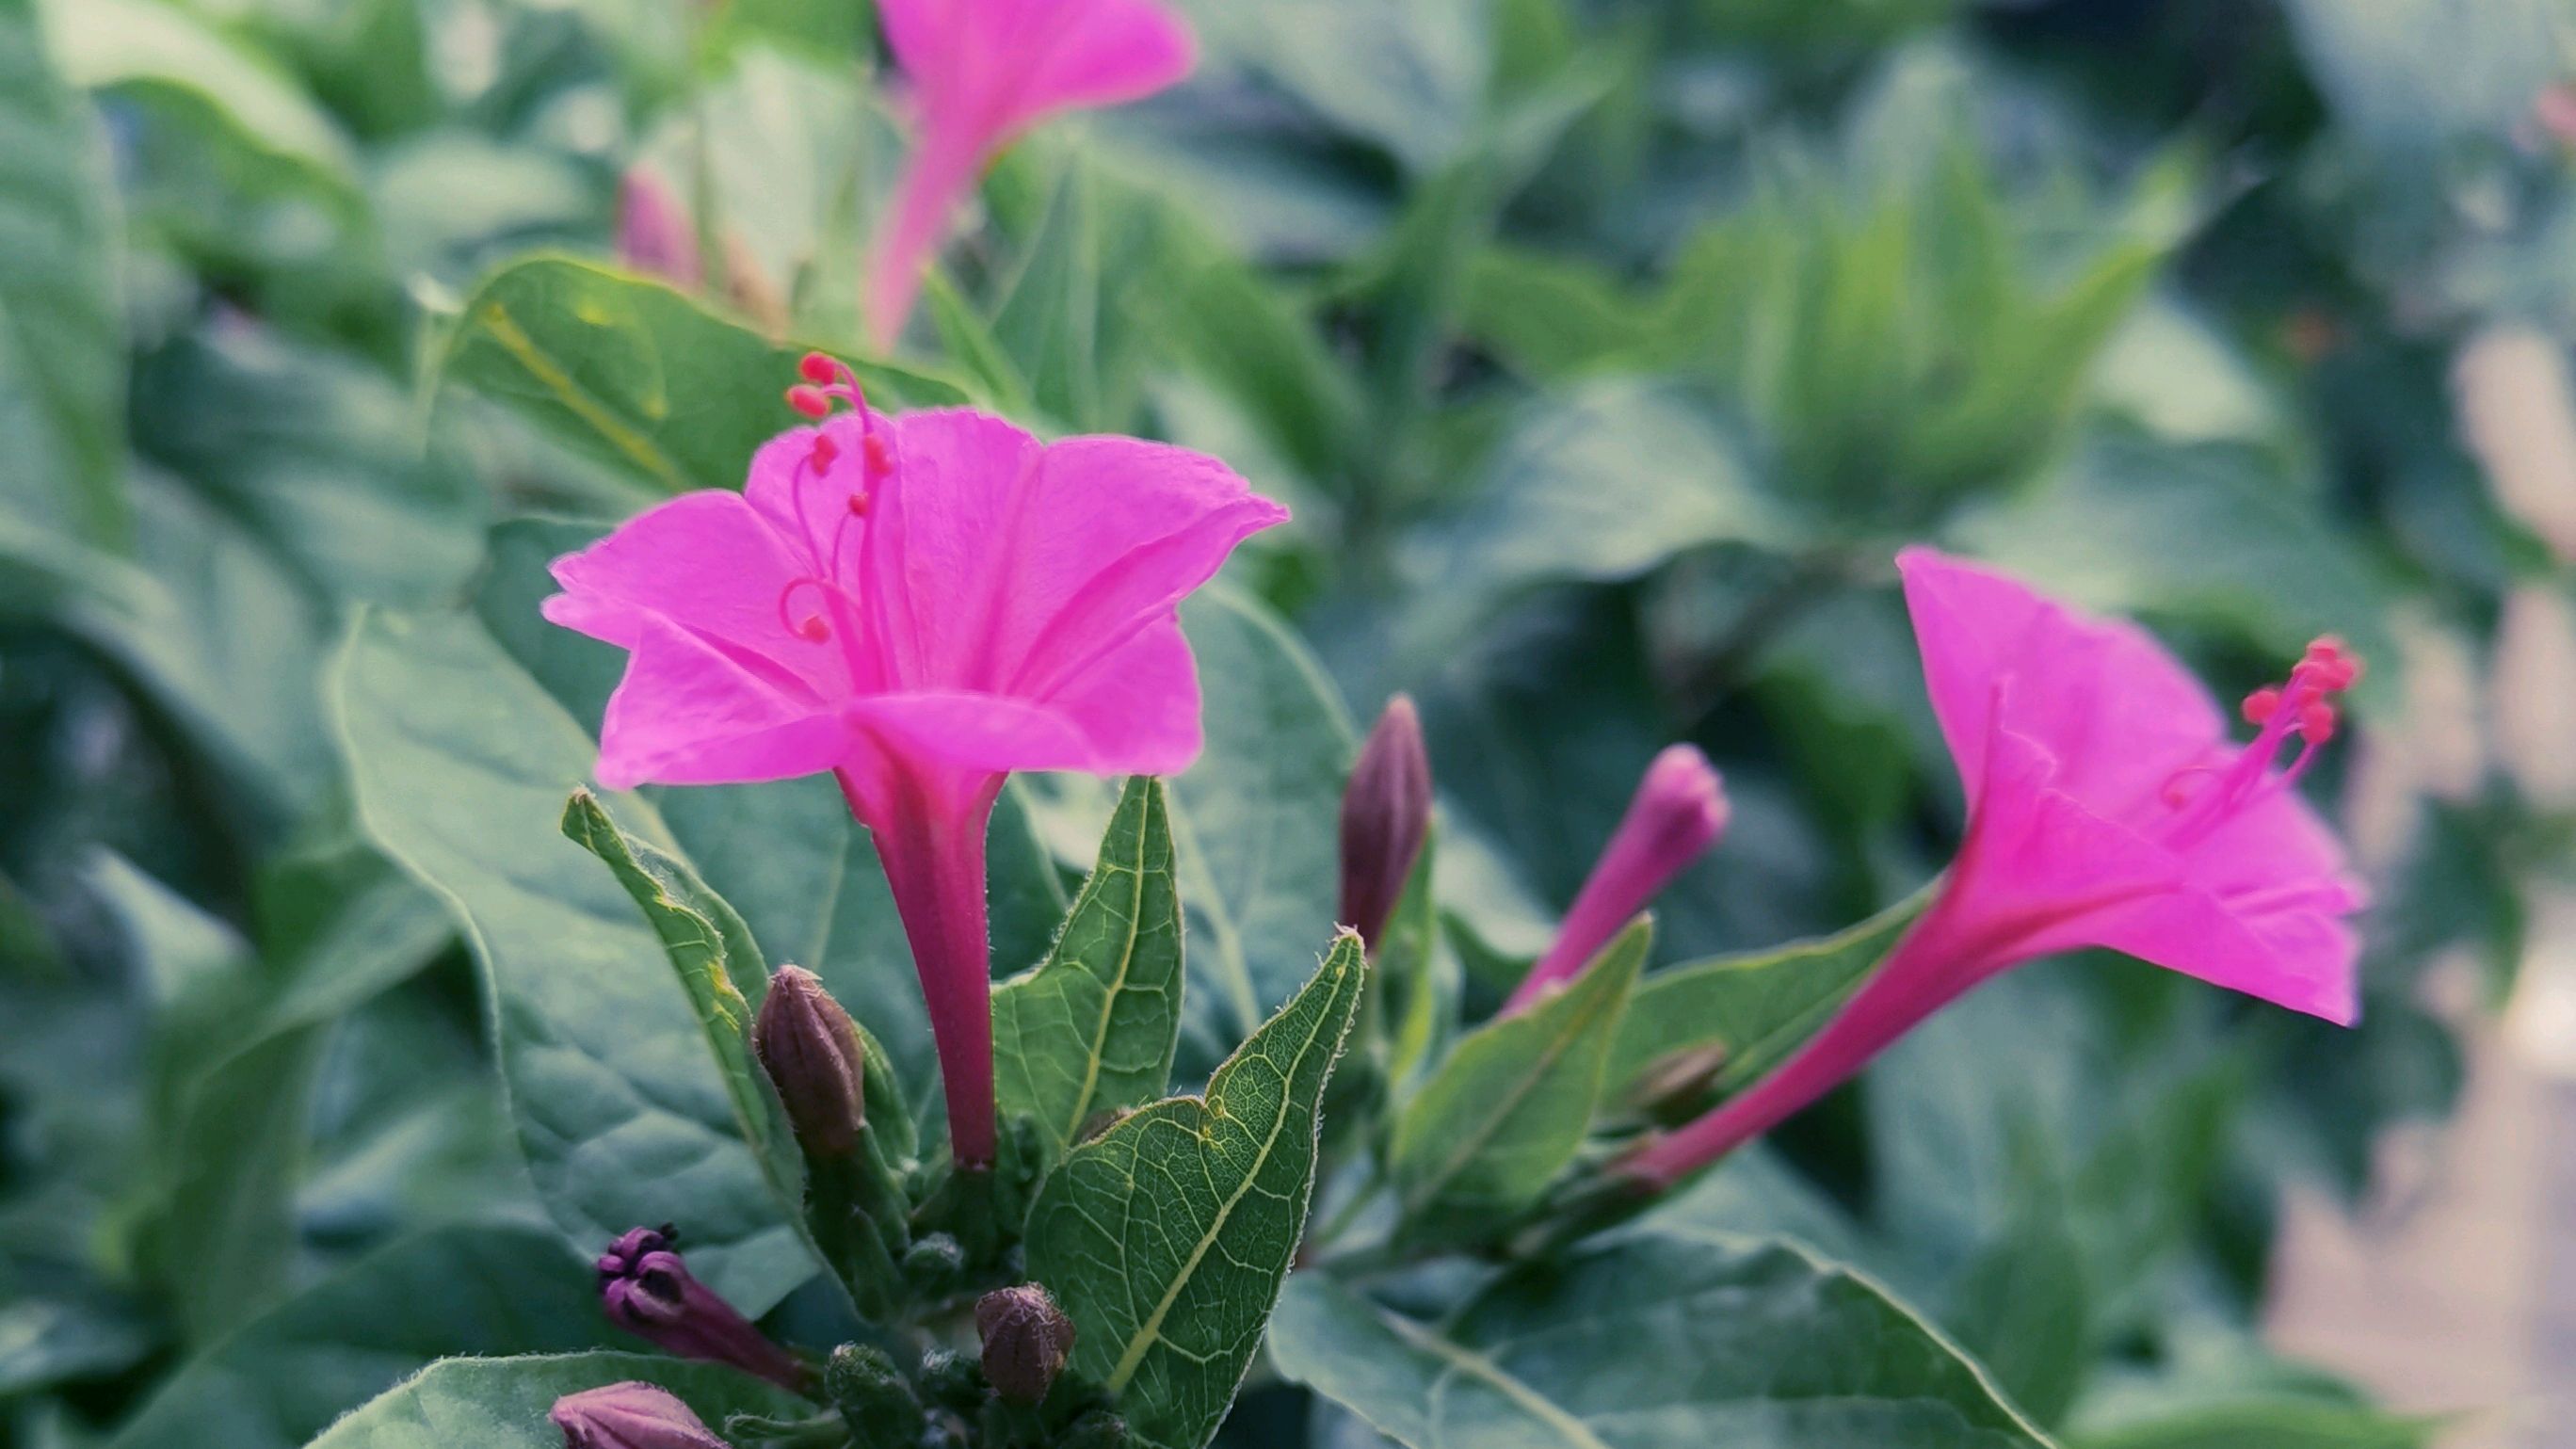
pixel 1605 349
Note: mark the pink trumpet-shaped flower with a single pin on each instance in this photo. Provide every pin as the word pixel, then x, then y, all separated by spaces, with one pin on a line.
pixel 2107 807
pixel 919 605
pixel 1677 814
pixel 981 73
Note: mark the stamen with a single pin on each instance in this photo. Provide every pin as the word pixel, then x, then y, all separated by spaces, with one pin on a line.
pixel 811 628
pixel 821 369
pixel 811 401
pixel 825 454
pixel 2303 709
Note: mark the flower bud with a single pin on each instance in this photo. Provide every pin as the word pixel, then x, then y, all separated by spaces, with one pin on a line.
pixel 650 1293
pixel 874 1398
pixel 630 1416
pixel 1026 1341
pixel 1386 813
pixel 654 234
pixel 1678 813
pixel 951 1381
pixel 810 1048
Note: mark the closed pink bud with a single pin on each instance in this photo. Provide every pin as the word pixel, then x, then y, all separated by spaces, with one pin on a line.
pixel 1678 813
pixel 1386 815
pixel 810 1048
pixel 1027 1340
pixel 630 1416
pixel 654 234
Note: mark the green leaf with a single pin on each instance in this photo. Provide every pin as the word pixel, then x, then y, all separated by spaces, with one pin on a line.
pixel 1650 1341
pixel 1166 1238
pixel 1505 1114
pixel 62 341
pixel 1093 1028
pixel 165 50
pixel 1601 484
pixel 1254 821
pixel 285 1376
pixel 707 942
pixel 501 1403
pixel 638 375
pixel 460 765
pixel 2280 1424
pixel 1720 1023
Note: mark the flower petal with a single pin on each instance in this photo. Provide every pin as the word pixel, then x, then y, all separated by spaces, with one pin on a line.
pixel 688 714
pixel 2119 713
pixel 998 66
pixel 1139 704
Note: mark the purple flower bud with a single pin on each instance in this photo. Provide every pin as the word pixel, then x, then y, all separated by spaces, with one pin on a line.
pixel 1679 812
pixel 650 1293
pixel 1026 1341
pixel 1386 813
pixel 654 234
pixel 630 1416
pixel 810 1048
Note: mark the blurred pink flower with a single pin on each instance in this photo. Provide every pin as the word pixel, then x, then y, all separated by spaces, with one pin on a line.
pixel 654 233
pixel 920 605
pixel 982 72
pixel 1678 812
pixel 2106 807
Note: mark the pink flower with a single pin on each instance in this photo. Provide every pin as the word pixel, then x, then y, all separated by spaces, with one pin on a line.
pixel 919 605
pixel 630 1416
pixel 982 72
pixel 2106 807
pixel 1678 813
pixel 654 234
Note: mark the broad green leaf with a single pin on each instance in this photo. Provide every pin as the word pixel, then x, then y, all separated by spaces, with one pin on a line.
pixel 1254 821
pixel 285 1376
pixel 1504 1115
pixel 1166 1237
pixel 61 336
pixel 2278 1424
pixel 1093 1028
pixel 320 457
pixel 1650 1341
pixel 166 50
pixel 1601 484
pixel 638 375
pixel 1719 1024
pixel 501 1403
pixel 460 765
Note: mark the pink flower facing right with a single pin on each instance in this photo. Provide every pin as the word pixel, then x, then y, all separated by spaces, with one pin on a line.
pixel 2107 807
pixel 919 605
pixel 982 72
pixel 1678 813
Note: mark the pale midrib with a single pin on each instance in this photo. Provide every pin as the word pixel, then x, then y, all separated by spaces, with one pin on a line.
pixel 1485 1370
pixel 1150 1332
pixel 505 330
pixel 1109 1000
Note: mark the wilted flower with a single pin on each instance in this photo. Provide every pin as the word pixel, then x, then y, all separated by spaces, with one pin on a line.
pixel 2106 807
pixel 1386 815
pixel 650 1293
pixel 630 1416
pixel 982 72
pixel 1678 813
pixel 811 1052
pixel 919 605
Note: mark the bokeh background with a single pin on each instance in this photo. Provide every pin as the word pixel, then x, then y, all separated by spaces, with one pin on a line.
pixel 1605 349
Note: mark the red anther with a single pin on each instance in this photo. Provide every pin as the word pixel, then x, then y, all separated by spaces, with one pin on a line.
pixel 858 505
pixel 825 454
pixel 819 369
pixel 2317 722
pixel 880 453
pixel 810 401
pixel 2262 704
pixel 812 629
